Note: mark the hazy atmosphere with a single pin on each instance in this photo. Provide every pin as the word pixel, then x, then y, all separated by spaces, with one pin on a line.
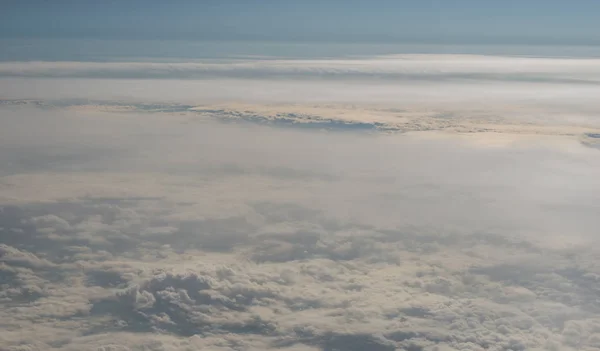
pixel 325 176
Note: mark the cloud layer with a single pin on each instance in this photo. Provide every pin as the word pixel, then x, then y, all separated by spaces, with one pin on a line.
pixel 129 231
pixel 493 88
pixel 140 211
pixel 425 67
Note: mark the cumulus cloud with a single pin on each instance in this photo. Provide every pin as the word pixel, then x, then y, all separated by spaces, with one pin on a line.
pixel 166 231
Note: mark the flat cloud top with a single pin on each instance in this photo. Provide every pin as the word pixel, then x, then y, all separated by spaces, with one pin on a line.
pixel 463 93
pixel 411 67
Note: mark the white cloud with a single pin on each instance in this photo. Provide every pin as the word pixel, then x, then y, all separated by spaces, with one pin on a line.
pixel 410 67
pixel 123 228
pixel 173 233
pixel 446 87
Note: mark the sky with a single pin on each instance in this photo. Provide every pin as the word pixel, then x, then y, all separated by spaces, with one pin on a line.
pixel 432 21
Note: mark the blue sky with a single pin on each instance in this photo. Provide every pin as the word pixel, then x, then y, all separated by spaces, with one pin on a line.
pixel 436 21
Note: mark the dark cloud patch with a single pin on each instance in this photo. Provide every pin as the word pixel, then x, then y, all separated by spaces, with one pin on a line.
pixel 354 342
pixel 184 305
pixel 568 285
pixel 417 239
pixel 287 247
pixel 120 223
pixel 25 159
pixel 19 286
pixel 511 273
pixel 583 288
pixel 219 235
pixel 28 227
pixel 420 312
pixel 106 279
pixel 15 229
pixel 286 212
pixel 53 230
pixel 14 290
pixel 338 341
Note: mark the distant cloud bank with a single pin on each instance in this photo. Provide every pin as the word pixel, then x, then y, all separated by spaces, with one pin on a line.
pixel 394 67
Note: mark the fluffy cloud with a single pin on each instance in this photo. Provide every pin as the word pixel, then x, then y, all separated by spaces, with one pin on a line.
pixel 149 224
pixel 176 232
pixel 342 288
